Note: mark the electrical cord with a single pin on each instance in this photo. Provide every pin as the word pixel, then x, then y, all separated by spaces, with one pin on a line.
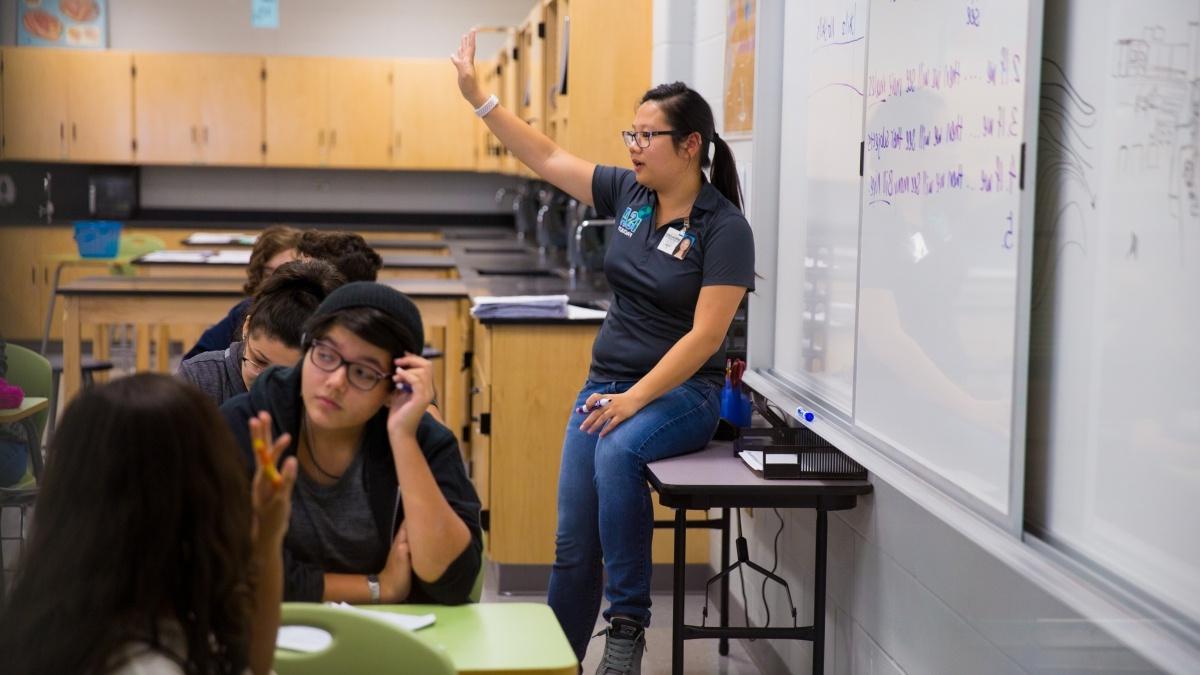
pixel 774 566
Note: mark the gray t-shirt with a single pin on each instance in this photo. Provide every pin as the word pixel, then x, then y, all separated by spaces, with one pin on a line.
pixel 218 373
pixel 655 292
pixel 332 525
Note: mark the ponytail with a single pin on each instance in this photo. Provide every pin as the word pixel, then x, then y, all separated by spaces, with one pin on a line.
pixel 723 173
pixel 687 112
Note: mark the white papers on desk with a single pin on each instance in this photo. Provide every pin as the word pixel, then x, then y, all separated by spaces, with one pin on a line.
pixel 220 238
pixel 576 312
pixel 176 257
pixel 230 257
pixel 520 307
pixel 307 639
pixel 754 458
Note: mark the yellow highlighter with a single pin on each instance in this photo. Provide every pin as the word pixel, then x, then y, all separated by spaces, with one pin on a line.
pixel 260 449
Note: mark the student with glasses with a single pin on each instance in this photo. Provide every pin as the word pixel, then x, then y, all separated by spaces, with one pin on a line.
pixel 382 510
pixel 270 332
pixel 658 360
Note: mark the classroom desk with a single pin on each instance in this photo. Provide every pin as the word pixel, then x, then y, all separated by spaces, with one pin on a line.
pixel 715 478
pixel 496 637
pixel 146 301
pixel 395 266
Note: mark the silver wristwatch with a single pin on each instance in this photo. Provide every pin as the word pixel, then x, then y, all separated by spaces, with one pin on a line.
pixel 373 587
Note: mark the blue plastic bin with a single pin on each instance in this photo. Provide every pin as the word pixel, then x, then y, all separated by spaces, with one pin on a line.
pixel 97 238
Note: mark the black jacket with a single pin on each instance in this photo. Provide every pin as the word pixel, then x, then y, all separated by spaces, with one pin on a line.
pixel 277 391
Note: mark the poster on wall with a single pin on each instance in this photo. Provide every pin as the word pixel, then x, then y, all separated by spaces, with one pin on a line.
pixel 62 23
pixel 739 67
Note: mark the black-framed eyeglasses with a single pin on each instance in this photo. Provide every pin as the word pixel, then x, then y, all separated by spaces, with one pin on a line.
pixel 361 376
pixel 642 138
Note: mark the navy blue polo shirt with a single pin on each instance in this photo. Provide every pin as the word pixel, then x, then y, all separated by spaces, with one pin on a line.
pixel 654 292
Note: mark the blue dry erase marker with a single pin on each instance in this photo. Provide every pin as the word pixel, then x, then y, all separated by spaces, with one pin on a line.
pixel 583 409
pixel 805 415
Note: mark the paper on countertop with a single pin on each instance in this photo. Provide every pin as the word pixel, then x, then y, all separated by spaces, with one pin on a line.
pixel 576 312
pixel 520 307
pixel 230 257
pixel 405 621
pixel 176 257
pixel 220 238
pixel 537 300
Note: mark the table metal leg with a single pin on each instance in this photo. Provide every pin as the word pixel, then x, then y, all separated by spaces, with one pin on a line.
pixel 723 646
pixel 72 374
pixel 818 657
pixel 677 609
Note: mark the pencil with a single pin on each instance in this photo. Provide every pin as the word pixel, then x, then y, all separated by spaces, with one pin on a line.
pixel 260 449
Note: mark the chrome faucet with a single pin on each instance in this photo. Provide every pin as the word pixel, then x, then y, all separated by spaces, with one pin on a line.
pixel 576 257
pixel 47 210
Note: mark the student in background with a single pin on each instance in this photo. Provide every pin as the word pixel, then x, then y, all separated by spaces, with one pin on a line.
pixel 14 453
pixel 270 333
pixel 150 551
pixel 346 251
pixel 658 361
pixel 383 510
pixel 275 246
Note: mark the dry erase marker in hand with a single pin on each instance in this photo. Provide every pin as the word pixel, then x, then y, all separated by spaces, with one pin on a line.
pixel 260 449
pixel 583 409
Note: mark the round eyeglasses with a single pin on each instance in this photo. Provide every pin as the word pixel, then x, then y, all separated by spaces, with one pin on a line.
pixel 361 376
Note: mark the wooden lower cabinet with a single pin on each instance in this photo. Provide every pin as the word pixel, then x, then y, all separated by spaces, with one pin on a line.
pixel 526 378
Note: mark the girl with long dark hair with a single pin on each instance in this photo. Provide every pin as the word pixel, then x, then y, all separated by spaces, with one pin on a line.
pixel 150 550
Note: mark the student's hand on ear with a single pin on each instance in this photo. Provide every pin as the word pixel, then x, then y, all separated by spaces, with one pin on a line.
pixel 270 490
pixel 464 63
pixel 620 408
pixel 406 408
pixel 395 581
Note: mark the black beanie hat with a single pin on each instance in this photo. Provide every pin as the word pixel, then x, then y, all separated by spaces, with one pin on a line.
pixel 378 296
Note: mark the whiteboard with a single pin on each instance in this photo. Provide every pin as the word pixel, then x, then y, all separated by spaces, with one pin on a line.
pixel 822 256
pixel 943 212
pixel 1114 448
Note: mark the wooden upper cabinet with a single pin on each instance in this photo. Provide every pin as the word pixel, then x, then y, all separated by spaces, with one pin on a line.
pixel 296 100
pixel 360 113
pixel 434 126
pixel 167 108
pixel 63 105
pixel 230 109
pixel 199 108
pixel 328 112
pixel 604 92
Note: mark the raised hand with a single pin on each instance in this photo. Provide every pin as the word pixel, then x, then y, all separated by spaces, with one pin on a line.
pixel 464 63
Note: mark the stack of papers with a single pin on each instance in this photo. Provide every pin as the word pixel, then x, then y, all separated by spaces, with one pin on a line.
pixel 176 257
pixel 230 257
pixel 520 307
pixel 220 238
pixel 754 458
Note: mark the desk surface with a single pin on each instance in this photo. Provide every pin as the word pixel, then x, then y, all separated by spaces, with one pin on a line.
pixel 232 287
pixel 496 637
pixel 715 477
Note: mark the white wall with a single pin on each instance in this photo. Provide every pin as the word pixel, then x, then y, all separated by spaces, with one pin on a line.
pixel 356 28
pixel 908 592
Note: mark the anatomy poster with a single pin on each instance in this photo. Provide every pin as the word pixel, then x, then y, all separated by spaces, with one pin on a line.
pixel 62 23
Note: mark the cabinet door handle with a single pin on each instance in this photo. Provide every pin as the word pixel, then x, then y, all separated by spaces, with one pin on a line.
pixel 204 134
pixel 74 133
pixel 321 137
pixel 62 131
pixel 193 133
pixel 397 141
pixel 332 137
pixel 33 276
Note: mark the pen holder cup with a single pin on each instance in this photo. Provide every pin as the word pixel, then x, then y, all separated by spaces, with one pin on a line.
pixel 735 405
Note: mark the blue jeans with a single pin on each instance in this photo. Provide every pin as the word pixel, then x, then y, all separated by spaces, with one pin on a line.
pixel 605 520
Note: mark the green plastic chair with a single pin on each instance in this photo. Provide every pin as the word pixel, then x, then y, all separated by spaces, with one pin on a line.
pixel 31 372
pixel 477 589
pixel 362 644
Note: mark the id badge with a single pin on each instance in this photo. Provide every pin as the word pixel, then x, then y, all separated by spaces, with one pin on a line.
pixel 670 241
